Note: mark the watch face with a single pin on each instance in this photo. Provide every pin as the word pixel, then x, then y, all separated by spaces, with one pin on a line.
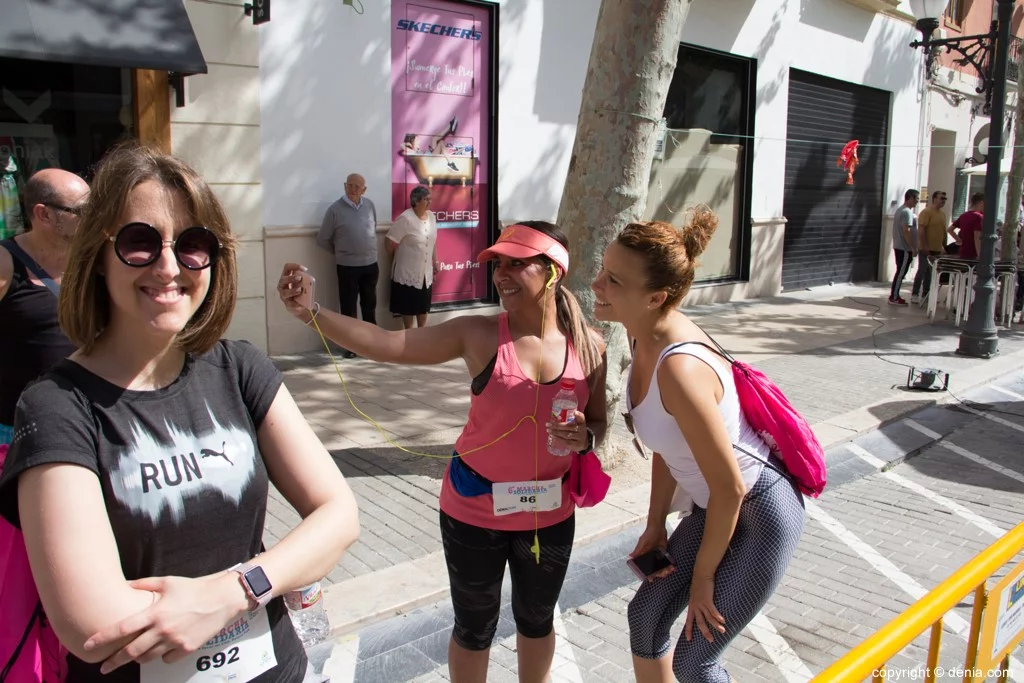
pixel 258 582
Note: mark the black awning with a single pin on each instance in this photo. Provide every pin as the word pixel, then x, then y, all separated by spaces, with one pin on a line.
pixel 139 34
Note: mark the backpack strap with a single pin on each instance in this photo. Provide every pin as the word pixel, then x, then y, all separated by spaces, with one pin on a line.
pixel 719 349
pixel 30 263
pixel 732 361
pixel 36 614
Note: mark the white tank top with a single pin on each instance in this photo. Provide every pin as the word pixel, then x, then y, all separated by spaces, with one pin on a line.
pixel 660 432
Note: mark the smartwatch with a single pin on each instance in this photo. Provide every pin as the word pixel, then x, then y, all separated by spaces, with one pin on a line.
pixel 591 438
pixel 255 582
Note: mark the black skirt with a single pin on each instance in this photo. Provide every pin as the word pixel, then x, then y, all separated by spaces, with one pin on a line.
pixel 406 300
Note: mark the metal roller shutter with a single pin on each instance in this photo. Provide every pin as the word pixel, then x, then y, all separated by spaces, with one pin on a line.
pixel 833 230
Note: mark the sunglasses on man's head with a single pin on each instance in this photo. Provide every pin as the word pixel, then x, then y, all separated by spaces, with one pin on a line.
pixel 75 211
pixel 628 418
pixel 139 245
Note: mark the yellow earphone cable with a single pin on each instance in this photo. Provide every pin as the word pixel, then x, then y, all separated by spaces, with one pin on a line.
pixel 526 418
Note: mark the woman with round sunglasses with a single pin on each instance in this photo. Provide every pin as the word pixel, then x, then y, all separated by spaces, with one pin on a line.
pixel 542 333
pixel 140 465
pixel 730 553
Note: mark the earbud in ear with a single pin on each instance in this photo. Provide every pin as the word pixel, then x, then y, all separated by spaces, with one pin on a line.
pixel 554 276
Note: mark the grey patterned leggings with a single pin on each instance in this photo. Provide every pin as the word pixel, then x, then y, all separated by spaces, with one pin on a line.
pixel 768 530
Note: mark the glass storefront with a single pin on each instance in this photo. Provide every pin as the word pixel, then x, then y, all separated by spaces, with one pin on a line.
pixel 56 115
pixel 706 154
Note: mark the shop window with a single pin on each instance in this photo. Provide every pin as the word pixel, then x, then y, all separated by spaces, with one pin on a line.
pixel 55 115
pixel 705 154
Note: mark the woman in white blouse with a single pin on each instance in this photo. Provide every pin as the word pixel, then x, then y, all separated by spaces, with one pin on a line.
pixel 412 244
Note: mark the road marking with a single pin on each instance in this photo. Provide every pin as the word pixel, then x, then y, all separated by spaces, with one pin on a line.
pixel 957 509
pixel 904 581
pixel 563 668
pixel 1007 392
pixel 786 659
pixel 993 418
pixel 340 667
pixel 963 452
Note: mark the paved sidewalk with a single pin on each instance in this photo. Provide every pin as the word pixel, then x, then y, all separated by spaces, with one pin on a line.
pixel 822 347
pixel 872 544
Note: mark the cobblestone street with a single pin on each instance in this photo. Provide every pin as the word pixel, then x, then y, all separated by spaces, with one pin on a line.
pixel 871 547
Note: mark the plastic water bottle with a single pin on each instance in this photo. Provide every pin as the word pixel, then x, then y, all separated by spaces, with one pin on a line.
pixel 563 409
pixel 306 609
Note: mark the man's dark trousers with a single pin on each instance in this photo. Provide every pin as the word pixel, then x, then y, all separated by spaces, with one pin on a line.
pixel 903 259
pixel 923 276
pixel 358 282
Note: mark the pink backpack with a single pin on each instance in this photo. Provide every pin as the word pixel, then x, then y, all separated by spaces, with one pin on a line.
pixel 29 649
pixel 777 422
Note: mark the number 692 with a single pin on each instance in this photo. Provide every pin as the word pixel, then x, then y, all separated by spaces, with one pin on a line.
pixel 218 660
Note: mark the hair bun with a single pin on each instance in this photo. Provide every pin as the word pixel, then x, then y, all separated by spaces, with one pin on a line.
pixel 698 230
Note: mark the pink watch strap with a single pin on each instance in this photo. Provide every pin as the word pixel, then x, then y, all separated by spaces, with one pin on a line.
pixel 242 568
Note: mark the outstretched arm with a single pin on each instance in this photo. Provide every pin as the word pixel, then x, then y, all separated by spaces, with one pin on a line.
pixel 419 346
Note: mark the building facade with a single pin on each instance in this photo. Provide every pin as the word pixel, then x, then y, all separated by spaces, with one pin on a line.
pixel 76 78
pixel 479 100
pixel 764 98
pixel 955 142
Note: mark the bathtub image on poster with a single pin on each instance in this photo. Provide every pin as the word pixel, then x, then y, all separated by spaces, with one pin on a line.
pixel 440 76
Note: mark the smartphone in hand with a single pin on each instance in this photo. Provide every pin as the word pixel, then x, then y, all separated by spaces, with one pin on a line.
pixel 307 290
pixel 649 564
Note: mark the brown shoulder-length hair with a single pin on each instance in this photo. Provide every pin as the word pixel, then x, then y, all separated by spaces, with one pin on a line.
pixel 84 304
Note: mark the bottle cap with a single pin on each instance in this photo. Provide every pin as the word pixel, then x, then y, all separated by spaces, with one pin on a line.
pixel 568 384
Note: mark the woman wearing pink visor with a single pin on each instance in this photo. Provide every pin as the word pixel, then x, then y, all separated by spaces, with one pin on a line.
pixel 485 524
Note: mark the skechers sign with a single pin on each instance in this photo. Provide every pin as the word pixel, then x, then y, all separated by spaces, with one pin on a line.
pixel 438 29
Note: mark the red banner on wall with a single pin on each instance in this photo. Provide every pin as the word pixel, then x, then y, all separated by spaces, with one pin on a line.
pixel 440 114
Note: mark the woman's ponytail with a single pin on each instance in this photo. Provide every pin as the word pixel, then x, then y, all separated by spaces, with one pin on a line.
pixel 570 315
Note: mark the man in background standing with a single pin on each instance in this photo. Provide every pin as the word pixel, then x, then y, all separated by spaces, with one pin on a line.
pixel 31 266
pixel 349 231
pixel 931 241
pixel 966 229
pixel 904 243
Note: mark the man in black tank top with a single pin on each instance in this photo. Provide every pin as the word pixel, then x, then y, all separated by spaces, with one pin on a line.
pixel 32 340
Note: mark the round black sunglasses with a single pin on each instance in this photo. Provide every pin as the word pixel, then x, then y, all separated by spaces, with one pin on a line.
pixel 139 245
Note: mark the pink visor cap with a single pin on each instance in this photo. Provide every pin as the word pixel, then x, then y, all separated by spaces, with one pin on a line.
pixel 519 241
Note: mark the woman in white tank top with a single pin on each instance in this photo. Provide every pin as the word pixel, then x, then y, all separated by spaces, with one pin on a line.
pixel 731 552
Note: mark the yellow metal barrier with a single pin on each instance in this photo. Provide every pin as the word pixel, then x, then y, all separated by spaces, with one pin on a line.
pixel 870 657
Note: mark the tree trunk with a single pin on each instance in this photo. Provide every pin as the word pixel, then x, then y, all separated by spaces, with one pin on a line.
pixel 631 64
pixel 1013 192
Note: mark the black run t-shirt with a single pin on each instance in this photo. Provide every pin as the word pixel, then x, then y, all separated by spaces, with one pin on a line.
pixel 183 480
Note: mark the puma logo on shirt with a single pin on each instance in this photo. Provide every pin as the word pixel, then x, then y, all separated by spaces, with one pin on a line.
pixel 207 453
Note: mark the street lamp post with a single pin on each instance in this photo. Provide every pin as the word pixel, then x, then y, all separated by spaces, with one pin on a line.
pixel 988 53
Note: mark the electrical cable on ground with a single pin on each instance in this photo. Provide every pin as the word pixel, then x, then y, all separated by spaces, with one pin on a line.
pixel 880 325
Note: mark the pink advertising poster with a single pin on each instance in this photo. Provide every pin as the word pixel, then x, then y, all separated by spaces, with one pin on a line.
pixel 440 134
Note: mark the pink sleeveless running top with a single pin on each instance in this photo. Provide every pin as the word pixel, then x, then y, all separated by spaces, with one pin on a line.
pixel 508 396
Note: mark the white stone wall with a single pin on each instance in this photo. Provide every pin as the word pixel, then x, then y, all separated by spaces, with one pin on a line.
pixel 955 110
pixel 325 98
pixel 218 132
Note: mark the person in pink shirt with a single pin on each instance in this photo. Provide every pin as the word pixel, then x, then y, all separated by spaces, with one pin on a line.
pixel 517 361
pixel 966 229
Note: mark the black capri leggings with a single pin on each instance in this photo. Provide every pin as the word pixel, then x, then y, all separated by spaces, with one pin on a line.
pixel 476 559
pixel 770 523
